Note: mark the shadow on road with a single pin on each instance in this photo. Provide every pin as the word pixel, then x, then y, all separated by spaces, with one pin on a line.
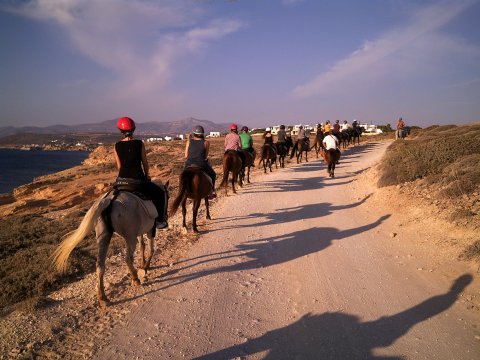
pixel 335 335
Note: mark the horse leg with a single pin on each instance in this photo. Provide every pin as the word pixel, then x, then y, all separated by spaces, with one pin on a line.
pixel 195 205
pixel 131 242
pixel 142 251
pixel 208 208
pixel 104 235
pixel 233 182
pixel 306 156
pixel 248 175
pixel 151 250
pixel 184 212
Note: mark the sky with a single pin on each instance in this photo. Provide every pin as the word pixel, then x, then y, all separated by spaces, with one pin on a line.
pixel 254 62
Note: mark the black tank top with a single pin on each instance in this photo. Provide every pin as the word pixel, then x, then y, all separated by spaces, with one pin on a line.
pixel 196 152
pixel 130 155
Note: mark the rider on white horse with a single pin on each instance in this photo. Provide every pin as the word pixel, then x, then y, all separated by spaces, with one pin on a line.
pixel 133 169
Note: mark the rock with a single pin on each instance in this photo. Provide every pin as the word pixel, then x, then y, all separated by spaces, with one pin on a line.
pixel 392 234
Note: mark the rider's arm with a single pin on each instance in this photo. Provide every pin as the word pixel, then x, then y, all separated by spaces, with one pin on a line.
pixel 186 148
pixel 117 159
pixel 144 161
pixel 207 148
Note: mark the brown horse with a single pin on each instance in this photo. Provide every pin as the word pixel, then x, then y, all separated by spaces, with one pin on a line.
pixel 331 157
pixel 344 138
pixel 300 147
pixel 283 148
pixel 123 213
pixel 268 157
pixel 194 184
pixel 318 145
pixel 249 162
pixel 232 163
pixel 355 134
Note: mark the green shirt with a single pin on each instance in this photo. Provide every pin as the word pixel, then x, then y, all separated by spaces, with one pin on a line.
pixel 247 141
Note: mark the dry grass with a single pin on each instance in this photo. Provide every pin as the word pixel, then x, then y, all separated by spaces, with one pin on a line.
pixel 445 162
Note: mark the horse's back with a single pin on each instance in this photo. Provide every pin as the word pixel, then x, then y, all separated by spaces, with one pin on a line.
pixel 130 214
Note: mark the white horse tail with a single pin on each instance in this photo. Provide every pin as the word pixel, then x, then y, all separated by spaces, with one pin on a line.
pixel 62 253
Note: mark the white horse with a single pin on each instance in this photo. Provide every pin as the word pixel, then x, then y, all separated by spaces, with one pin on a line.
pixel 123 213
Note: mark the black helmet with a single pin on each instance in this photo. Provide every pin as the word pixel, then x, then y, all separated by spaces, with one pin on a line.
pixel 244 128
pixel 282 126
pixel 198 130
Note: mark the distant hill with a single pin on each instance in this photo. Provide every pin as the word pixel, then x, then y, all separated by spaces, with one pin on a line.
pixel 30 134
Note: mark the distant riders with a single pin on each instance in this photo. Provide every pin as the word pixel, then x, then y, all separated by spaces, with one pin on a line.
pixel 196 154
pixel 400 129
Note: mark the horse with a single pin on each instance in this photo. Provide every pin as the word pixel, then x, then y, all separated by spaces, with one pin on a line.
pixel 355 134
pixel 268 157
pixel 193 184
pixel 299 148
pixel 402 133
pixel 331 157
pixel 249 162
pixel 344 138
pixel 283 148
pixel 121 212
pixel 232 163
pixel 318 144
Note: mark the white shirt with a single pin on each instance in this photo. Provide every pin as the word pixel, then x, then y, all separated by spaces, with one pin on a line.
pixel 345 126
pixel 330 142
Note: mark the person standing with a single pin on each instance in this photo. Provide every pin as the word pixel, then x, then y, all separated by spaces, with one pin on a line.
pixel 196 154
pixel 133 169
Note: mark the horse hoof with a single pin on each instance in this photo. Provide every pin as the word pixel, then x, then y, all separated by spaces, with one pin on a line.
pixel 104 303
pixel 141 273
pixel 135 282
pixel 209 217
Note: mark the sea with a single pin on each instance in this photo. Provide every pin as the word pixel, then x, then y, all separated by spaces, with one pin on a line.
pixel 19 167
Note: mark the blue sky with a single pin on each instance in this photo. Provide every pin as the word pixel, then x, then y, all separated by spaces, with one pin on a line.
pixel 256 62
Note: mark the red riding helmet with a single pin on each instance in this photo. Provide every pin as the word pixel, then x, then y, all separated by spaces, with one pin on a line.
pixel 126 124
pixel 233 127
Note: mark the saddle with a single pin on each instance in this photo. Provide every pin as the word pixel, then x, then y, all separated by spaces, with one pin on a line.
pixel 133 186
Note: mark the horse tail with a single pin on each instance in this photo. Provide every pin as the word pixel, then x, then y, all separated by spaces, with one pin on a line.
pixel 183 188
pixel 62 253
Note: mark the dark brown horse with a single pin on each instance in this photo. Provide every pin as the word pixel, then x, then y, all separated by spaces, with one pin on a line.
pixel 300 147
pixel 232 163
pixel 194 184
pixel 283 149
pixel 249 162
pixel 318 144
pixel 344 138
pixel 268 157
pixel 355 134
pixel 331 157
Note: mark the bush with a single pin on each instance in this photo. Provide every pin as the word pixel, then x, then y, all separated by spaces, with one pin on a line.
pixel 434 149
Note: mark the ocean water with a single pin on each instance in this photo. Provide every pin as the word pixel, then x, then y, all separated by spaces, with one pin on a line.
pixel 18 167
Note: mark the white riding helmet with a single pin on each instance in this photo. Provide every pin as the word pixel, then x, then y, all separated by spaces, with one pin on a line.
pixel 268 129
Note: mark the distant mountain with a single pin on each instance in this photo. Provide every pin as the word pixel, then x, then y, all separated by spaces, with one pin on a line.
pixel 110 126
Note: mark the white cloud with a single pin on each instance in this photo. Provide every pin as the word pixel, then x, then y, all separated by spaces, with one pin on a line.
pixel 408 51
pixel 141 42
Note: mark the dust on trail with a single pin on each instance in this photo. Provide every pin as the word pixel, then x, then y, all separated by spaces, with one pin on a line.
pixel 297 265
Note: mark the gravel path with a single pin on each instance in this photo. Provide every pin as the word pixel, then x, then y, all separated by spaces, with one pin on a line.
pixel 300 266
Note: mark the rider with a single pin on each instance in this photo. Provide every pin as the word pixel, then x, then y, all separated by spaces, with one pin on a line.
pixel 327 127
pixel 233 142
pixel 336 128
pixel 319 136
pixel 355 126
pixel 196 154
pixel 133 169
pixel 331 142
pixel 345 126
pixel 281 135
pixel 247 141
pixel 400 126
pixel 302 136
pixel 268 137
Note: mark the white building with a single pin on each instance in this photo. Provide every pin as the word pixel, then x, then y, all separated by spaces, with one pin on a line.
pixel 214 134
pixel 370 129
pixel 152 139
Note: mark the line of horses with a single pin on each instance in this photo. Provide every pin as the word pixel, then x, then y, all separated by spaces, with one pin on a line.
pixel 130 217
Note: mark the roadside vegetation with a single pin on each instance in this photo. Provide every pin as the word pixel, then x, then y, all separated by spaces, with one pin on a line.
pixel 443 164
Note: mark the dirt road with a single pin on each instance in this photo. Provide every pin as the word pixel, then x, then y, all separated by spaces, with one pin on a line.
pixel 300 266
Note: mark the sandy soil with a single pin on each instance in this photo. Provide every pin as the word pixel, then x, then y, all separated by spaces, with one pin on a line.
pixel 296 265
